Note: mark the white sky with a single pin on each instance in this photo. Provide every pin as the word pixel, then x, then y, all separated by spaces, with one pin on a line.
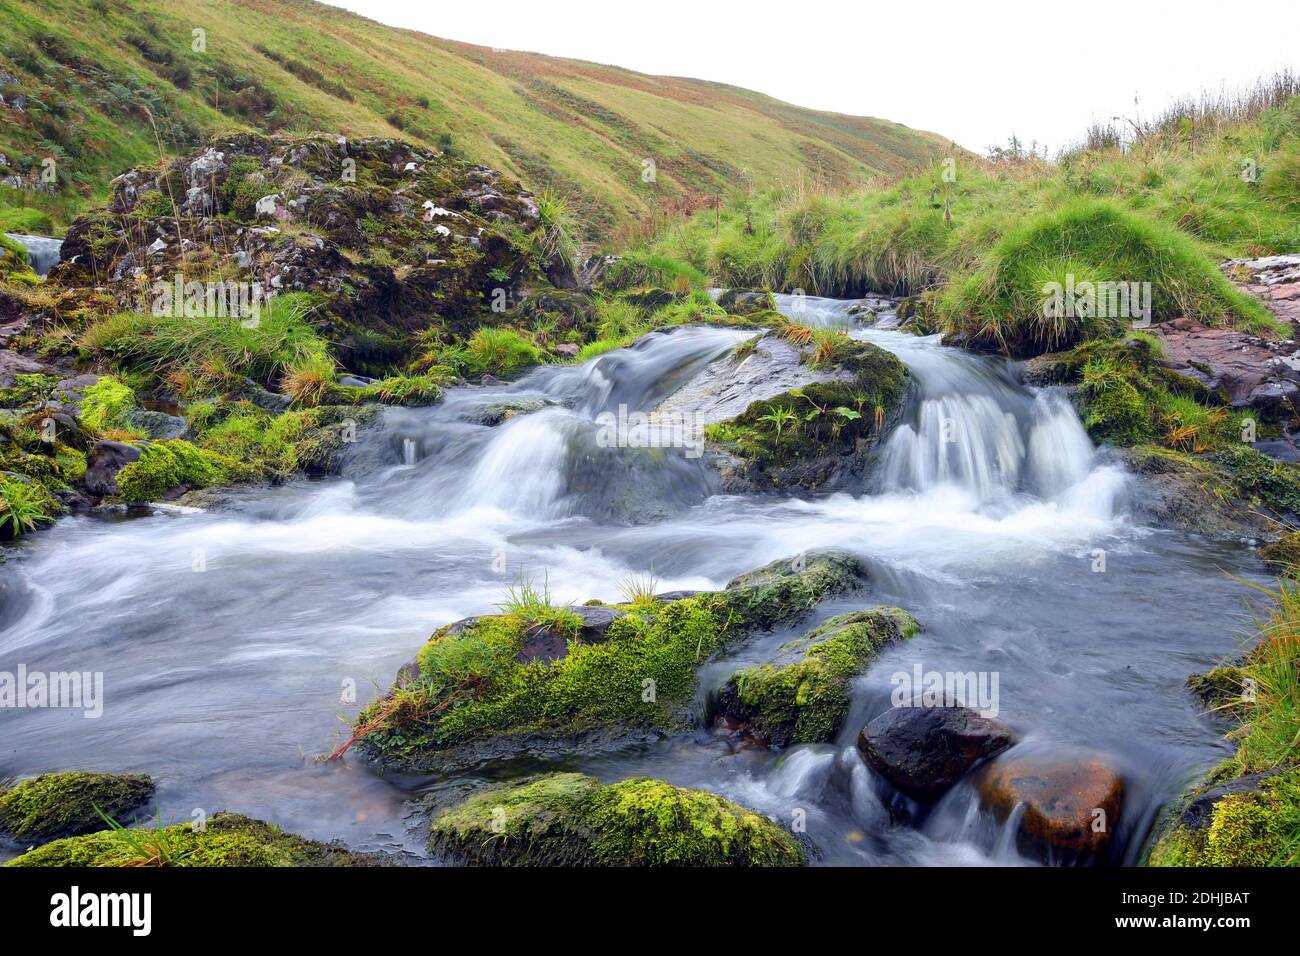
pixel 973 71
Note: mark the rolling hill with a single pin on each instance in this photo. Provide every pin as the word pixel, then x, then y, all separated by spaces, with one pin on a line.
pixel 98 86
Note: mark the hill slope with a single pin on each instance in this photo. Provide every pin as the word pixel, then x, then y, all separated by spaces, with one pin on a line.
pixel 88 75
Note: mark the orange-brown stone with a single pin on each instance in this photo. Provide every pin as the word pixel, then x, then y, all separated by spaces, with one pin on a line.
pixel 1060 802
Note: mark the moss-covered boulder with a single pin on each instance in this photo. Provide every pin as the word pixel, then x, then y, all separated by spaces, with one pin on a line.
pixel 1283 555
pixel 815 435
pixel 226 839
pixel 569 819
pixel 803 698
pixel 474 694
pixel 1192 493
pixel 56 805
pixel 1251 820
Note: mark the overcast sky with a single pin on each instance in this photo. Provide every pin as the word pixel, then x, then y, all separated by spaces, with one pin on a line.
pixel 972 71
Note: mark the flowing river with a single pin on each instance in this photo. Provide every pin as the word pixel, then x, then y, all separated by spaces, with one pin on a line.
pixel 227 638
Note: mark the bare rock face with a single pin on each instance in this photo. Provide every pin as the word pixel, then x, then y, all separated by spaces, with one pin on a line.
pixel 1274 279
pixel 1070 809
pixel 1246 370
pixel 925 750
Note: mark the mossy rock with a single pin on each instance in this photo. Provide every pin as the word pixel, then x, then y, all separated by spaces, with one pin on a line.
pixel 56 805
pixel 1220 690
pixel 472 693
pixel 1252 820
pixel 227 839
pixel 570 819
pixel 818 436
pixel 1283 554
pixel 805 698
pixel 167 466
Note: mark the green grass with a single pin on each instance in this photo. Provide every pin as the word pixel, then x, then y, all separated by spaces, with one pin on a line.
pixel 24 506
pixel 977 249
pixel 96 73
pixel 197 355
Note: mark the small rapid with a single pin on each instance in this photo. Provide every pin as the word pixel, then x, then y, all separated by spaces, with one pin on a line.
pixel 227 637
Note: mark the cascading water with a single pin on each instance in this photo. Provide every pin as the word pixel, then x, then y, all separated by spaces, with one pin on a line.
pixel 983 518
pixel 43 253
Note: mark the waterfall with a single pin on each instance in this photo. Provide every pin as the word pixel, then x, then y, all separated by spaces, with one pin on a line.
pixel 43 252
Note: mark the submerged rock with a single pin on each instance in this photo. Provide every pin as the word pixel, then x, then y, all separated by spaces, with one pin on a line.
pixel 570 819
pixel 56 805
pixel 804 698
pixel 227 839
pixel 483 688
pixel 1068 809
pixel 923 751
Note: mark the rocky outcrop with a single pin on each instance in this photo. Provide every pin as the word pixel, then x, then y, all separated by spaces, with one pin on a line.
pixel 1184 493
pixel 789 412
pixel 57 805
pixel 923 751
pixel 509 684
pixel 1247 820
pixel 1068 810
pixel 569 819
pixel 803 696
pixel 1273 279
pixel 1243 370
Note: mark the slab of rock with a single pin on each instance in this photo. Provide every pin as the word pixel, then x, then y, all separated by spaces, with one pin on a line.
pixel 12 365
pixel 1273 279
pixel 923 751
pixel 1245 370
pixel 1070 808
pixel 106 459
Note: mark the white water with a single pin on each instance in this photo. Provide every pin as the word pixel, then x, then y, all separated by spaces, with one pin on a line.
pixel 226 683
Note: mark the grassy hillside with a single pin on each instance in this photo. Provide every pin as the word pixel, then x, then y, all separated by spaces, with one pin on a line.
pixel 974 243
pixel 106 82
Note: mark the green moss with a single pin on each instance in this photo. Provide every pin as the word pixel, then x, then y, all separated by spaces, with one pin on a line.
pixel 470 688
pixel 824 417
pixel 570 819
pixel 1260 827
pixel 1283 554
pixel 166 465
pixel 226 840
pixel 105 403
pixel 56 805
pixel 27 390
pixel 806 700
pixel 1260 479
pixel 13 263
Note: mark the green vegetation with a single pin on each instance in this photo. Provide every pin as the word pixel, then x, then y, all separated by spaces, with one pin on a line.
pixel 106 84
pixel 226 839
pixel 13 263
pixel 975 242
pixel 105 403
pixel 470 688
pixel 805 700
pixel 25 505
pixel 56 805
pixel 166 465
pixel 569 819
pixel 198 355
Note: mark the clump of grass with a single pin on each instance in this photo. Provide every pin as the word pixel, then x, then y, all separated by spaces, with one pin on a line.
pixel 307 381
pixel 1270 736
pixel 24 506
pixel 534 605
pixel 497 351
pixel 639 590
pixel 201 354
pixel 557 237
pixel 146 846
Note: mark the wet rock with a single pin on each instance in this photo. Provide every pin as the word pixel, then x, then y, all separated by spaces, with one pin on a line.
pixel 1070 809
pixel 499 412
pixel 923 751
pixel 105 460
pixel 1181 492
pixel 803 696
pixel 570 819
pixel 667 597
pixel 57 805
pixel 1273 279
pixel 742 302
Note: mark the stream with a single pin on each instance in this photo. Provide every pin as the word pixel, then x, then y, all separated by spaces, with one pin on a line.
pixel 984 516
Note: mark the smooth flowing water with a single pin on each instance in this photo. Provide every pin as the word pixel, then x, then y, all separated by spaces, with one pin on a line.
pixel 228 639
pixel 43 252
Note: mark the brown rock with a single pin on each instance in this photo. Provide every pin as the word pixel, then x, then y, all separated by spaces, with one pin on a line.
pixel 925 750
pixel 1244 369
pixel 1060 801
